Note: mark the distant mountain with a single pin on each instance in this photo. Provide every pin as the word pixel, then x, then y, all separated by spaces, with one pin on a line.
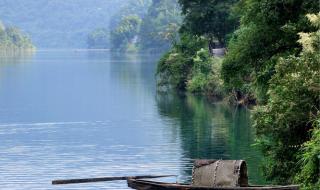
pixel 59 23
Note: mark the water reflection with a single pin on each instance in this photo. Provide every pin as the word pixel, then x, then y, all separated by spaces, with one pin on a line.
pixel 73 114
pixel 15 57
pixel 134 69
pixel 210 131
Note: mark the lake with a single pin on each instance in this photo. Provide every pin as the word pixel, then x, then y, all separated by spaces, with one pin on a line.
pixel 80 114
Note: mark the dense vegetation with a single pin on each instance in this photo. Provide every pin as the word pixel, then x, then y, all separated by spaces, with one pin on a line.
pixel 268 31
pixel 12 39
pixel 59 23
pixel 291 116
pixel 189 66
pixel 160 26
pixel 272 59
pixel 210 18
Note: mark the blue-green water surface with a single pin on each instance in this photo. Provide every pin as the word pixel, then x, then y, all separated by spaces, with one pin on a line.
pixel 80 114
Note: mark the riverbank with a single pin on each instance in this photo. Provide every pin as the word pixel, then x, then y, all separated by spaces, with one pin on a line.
pixel 272 62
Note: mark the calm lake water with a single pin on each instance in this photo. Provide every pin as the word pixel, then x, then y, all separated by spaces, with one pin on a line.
pixel 79 114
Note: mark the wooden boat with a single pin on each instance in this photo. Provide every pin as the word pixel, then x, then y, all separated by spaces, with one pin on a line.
pixel 210 175
pixel 206 175
pixel 153 185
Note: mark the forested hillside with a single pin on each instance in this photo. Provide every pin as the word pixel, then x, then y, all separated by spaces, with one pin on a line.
pixel 59 23
pixel 146 25
pixel 272 61
pixel 11 39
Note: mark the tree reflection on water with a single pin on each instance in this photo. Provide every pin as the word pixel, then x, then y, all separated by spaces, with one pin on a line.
pixel 210 131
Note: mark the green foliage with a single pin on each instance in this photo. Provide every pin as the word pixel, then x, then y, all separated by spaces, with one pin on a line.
pixel 268 31
pixel 211 18
pixel 233 62
pixel 188 66
pixel 125 25
pixel 205 75
pixel 269 58
pixel 309 176
pixel 98 39
pixel 129 7
pixel 160 25
pixel 200 71
pixel 309 156
pixel 283 124
pixel 12 38
pixel 174 68
pixel 126 32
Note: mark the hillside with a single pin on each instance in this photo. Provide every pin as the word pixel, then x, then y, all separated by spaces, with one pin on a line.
pixel 59 23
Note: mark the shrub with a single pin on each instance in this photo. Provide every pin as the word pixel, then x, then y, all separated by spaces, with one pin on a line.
pixel 284 123
pixel 205 76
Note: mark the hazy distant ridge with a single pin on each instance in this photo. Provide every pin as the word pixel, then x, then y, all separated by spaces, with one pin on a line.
pixel 58 23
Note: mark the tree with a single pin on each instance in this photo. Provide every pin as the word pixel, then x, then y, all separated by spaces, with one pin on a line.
pixel 188 66
pixel 125 32
pixel 160 25
pixel 211 18
pixel 175 67
pixel 285 123
pixel 129 7
pixel 11 38
pixel 268 31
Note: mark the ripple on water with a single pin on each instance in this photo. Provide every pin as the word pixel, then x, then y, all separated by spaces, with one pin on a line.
pixel 91 114
pixel 33 164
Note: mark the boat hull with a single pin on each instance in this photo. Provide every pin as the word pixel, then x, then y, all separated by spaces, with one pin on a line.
pixel 152 185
